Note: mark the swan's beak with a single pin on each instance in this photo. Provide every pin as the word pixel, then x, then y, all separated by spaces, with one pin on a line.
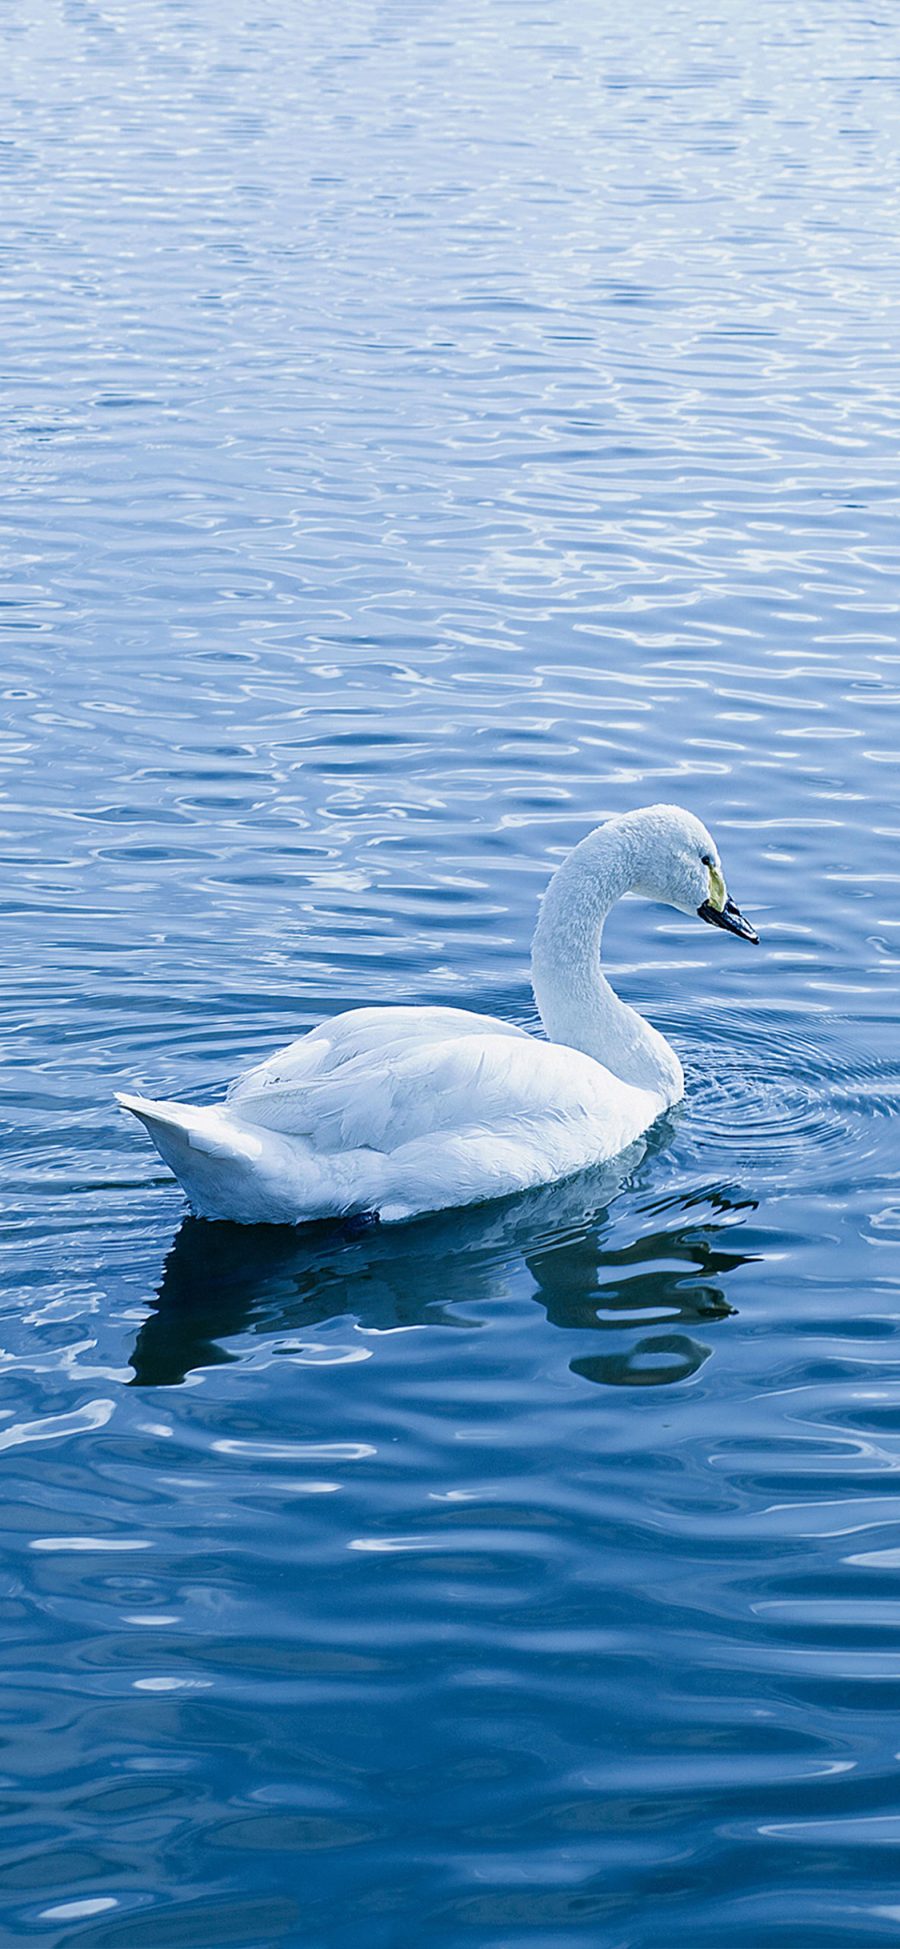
pixel 729 917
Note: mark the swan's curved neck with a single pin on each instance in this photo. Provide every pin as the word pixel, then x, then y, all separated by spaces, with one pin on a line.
pixel 576 1003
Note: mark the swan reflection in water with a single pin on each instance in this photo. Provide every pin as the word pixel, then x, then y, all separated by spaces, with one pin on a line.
pixel 629 1281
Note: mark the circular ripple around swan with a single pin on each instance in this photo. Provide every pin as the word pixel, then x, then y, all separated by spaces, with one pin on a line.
pixel 783 1101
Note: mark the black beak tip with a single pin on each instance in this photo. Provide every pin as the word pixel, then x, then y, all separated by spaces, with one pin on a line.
pixel 729 917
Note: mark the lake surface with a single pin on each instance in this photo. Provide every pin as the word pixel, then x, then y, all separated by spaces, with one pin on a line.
pixel 430 429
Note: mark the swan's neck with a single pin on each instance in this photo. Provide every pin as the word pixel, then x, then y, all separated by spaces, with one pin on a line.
pixel 576 1003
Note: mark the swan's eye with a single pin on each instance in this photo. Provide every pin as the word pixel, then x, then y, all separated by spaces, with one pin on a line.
pixel 706 860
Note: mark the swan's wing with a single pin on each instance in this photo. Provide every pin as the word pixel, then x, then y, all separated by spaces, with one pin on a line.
pixel 359 1032
pixel 349 1050
pixel 380 1090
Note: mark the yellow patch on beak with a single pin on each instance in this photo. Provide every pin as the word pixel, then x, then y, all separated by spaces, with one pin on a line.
pixel 717 894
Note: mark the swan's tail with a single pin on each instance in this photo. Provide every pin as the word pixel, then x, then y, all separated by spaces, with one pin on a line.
pixel 222 1164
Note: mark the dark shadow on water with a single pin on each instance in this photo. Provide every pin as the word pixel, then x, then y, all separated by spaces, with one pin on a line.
pixel 666 1278
pixel 638 1283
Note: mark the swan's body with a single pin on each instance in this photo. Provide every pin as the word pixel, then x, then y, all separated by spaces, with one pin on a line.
pixel 406 1110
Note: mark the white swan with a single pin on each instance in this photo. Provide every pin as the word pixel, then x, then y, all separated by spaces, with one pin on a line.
pixel 399 1111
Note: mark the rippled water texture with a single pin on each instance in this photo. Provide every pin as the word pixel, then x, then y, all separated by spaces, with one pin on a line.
pixel 427 430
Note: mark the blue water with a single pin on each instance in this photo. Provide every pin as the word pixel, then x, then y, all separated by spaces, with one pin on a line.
pixel 428 430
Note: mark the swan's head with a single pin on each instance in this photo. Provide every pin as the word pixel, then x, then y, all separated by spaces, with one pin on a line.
pixel 676 861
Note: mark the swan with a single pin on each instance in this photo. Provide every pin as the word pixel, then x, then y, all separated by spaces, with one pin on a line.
pixel 397 1111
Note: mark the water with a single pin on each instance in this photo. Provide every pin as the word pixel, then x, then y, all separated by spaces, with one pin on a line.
pixel 427 431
